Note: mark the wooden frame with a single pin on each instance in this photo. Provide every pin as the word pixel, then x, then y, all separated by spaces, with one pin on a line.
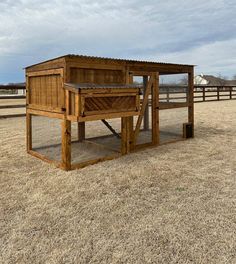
pixel 102 71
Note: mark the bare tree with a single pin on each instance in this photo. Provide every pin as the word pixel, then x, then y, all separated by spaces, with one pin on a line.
pixel 183 80
pixel 222 79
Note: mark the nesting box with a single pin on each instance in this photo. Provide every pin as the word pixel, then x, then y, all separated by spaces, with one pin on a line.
pixel 93 102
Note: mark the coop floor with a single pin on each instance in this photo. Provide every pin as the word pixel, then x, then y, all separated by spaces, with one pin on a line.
pixel 99 147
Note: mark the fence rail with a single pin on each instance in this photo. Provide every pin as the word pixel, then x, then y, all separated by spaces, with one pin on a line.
pixel 10 98
pixel 202 93
pixel 168 93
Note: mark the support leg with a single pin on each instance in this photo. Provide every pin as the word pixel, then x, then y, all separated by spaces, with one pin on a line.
pixel 131 132
pixel 125 135
pixel 155 111
pixel 66 144
pixel 191 99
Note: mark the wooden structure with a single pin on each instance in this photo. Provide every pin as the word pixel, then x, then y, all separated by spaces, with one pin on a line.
pixel 79 89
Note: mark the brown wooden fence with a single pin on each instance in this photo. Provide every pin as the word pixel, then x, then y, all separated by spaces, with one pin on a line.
pixel 212 93
pixel 11 99
pixel 173 93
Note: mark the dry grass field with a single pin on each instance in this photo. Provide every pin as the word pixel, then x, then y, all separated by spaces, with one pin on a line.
pixel 171 204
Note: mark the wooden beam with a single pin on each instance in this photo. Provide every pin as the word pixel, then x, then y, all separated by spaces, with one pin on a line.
pixel 131 132
pixel 124 135
pixel 94 161
pixel 163 105
pixel 146 113
pixel 145 101
pixel 130 119
pixel 66 144
pixel 108 116
pixel 191 98
pixel 68 102
pixel 46 159
pixel 77 106
pixel 45 113
pixel 45 72
pixel 46 108
pixel 110 128
pixel 155 110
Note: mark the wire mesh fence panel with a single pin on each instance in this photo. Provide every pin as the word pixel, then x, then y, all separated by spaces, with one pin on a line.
pixel 102 139
pixel 46 137
pixel 145 132
pixel 171 123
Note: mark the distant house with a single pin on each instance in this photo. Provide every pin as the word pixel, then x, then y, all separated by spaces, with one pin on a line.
pixel 210 80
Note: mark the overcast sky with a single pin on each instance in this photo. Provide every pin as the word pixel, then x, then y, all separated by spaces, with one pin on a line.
pixel 195 32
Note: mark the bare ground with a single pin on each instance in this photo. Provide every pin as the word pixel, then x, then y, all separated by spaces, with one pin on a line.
pixel 171 204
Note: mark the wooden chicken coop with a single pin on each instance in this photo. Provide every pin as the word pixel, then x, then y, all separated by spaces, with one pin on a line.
pixel 74 91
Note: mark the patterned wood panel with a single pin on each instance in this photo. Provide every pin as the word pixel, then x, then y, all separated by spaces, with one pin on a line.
pixel 119 103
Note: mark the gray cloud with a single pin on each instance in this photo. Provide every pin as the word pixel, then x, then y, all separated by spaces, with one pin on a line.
pixel 196 32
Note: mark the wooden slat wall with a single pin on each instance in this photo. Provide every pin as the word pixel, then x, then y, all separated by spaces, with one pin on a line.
pixel 46 91
pixel 98 76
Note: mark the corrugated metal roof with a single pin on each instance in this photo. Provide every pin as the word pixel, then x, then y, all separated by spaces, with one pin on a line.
pixel 109 59
pixel 102 86
pixel 119 59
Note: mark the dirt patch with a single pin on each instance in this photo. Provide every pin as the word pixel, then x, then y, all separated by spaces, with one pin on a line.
pixel 171 204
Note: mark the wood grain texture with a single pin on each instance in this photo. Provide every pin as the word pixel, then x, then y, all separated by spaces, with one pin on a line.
pixel 142 111
pixel 112 102
pixel 66 144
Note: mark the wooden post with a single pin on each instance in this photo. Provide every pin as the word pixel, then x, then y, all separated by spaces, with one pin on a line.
pixel 190 98
pixel 130 129
pixel 230 92
pixel 145 101
pixel 68 101
pixel 204 93
pixel 168 94
pixel 146 113
pixel 218 93
pixel 28 131
pixel 130 119
pixel 155 110
pixel 124 135
pixel 81 131
pixel 66 144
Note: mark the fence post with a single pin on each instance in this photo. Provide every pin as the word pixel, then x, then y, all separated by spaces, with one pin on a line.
pixel 167 94
pixel 218 93
pixel 204 93
pixel 230 92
